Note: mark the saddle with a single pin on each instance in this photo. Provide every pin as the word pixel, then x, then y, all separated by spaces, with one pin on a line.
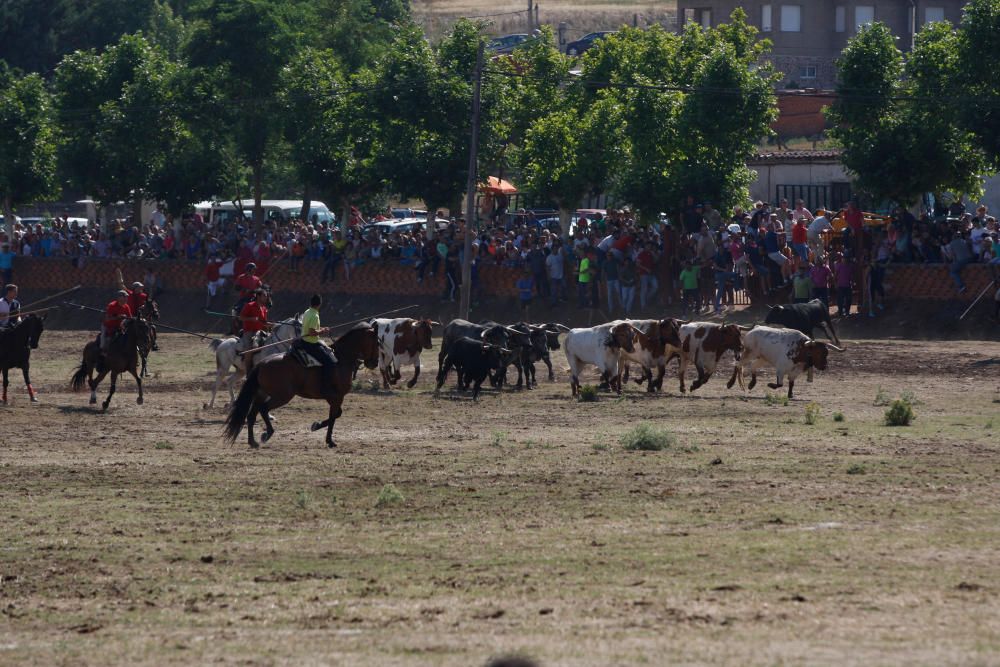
pixel 303 357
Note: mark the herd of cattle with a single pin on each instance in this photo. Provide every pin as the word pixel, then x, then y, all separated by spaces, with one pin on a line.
pixel 485 351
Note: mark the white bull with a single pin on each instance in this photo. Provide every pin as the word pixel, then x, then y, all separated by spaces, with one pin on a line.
pixel 599 346
pixel 789 352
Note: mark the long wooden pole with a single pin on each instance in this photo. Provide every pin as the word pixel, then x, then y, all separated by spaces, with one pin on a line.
pixel 54 296
pixel 981 295
pixel 470 192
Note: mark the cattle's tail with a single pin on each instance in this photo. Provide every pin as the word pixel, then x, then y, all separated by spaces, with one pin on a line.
pixel 241 408
pixel 80 376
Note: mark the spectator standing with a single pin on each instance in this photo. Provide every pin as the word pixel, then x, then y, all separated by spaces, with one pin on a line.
pixel 712 217
pixel 555 265
pixel 814 232
pixel 627 277
pixel 585 273
pixel 723 264
pixel 821 275
pixel 961 256
pixel 689 285
pixel 800 234
pixel 843 271
pixel 536 265
pixel 213 278
pixel 646 264
pixel 6 263
pixel 802 285
pixel 525 285
pixel 614 286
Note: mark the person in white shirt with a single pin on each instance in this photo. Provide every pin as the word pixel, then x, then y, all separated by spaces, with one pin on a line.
pixel 818 225
pixel 9 307
pixel 801 212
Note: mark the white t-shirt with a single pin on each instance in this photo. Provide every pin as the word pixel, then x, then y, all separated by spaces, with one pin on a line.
pixel 554 263
pixel 818 225
pixel 4 312
pixel 976 235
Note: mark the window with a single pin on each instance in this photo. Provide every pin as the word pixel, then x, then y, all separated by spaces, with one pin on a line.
pixel 688 15
pixel 706 18
pixel 807 72
pixel 863 15
pixel 933 14
pixel 840 19
pixel 765 18
pixel 791 18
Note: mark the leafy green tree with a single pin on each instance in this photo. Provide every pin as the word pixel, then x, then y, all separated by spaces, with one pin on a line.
pixel 114 112
pixel 242 46
pixel 27 143
pixel 896 144
pixel 978 77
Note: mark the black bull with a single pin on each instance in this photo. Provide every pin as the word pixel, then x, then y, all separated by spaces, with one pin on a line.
pixel 804 317
pixel 473 359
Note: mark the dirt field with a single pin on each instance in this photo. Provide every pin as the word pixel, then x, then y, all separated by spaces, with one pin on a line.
pixel 139 537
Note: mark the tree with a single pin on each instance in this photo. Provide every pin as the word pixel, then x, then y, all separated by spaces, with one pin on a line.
pixel 897 143
pixel 978 75
pixel 241 46
pixel 567 154
pixel 114 113
pixel 27 143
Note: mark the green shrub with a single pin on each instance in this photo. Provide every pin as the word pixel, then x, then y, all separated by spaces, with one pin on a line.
pixel 881 397
pixel 856 469
pixel 389 495
pixel 812 413
pixel 909 397
pixel 647 438
pixel 900 413
pixel 498 438
pixel 588 394
pixel 775 399
pixel 838 416
pixel 163 445
pixel 302 500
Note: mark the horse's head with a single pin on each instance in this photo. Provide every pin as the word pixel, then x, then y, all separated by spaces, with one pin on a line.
pixel 150 310
pixel 33 330
pixel 140 329
pixel 361 343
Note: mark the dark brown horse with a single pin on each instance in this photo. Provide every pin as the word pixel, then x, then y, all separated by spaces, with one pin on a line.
pixel 122 357
pixel 150 313
pixel 277 380
pixel 16 344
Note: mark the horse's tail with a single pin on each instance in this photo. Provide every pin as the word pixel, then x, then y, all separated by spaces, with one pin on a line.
pixel 241 408
pixel 80 376
pixel 214 344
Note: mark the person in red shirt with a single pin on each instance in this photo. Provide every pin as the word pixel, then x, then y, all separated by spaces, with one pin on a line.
pixel 114 315
pixel 137 296
pixel 799 239
pixel 645 262
pixel 214 278
pixel 247 283
pixel 253 317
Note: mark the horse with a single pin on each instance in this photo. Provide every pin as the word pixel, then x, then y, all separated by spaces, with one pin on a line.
pixel 150 312
pixel 122 356
pixel 227 355
pixel 16 344
pixel 277 380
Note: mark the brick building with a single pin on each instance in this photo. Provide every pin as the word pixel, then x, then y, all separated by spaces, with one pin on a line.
pixel 809 36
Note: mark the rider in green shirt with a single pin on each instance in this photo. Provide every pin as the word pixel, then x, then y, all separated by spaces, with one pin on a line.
pixel 310 342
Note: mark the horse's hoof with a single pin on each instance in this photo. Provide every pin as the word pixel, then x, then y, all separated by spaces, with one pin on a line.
pixel 331 444
pixel 265 436
pixel 138 400
pixel 33 400
pixel 104 407
pixel 315 426
pixel 254 445
pixel 93 401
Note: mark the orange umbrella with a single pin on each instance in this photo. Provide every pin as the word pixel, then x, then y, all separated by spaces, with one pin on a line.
pixel 498 186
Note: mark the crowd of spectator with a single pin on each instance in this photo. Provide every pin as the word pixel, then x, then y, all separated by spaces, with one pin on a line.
pixel 608 260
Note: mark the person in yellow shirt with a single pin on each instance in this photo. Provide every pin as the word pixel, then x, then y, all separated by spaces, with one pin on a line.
pixel 310 342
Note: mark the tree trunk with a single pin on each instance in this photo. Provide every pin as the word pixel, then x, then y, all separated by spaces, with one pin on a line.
pixel 306 203
pixel 565 218
pixel 431 222
pixel 8 216
pixel 258 210
pixel 345 214
pixel 137 210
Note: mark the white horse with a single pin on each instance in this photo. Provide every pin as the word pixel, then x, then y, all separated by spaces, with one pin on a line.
pixel 227 354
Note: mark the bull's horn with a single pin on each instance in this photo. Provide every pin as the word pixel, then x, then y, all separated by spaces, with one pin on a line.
pixel 834 347
pixel 562 327
pixel 434 323
pixel 743 328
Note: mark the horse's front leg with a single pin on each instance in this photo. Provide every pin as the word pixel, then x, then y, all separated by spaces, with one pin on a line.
pixel 5 383
pixel 335 412
pixel 27 383
pixel 111 391
pixel 138 382
pixel 143 373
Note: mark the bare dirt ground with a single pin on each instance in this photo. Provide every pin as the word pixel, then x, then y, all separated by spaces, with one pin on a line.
pixel 140 537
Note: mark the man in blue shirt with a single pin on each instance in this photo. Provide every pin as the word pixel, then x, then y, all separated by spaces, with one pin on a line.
pixel 6 263
pixel 525 285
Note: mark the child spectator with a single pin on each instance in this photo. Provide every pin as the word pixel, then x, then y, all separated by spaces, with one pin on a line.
pixel 820 275
pixel 802 285
pixel 689 285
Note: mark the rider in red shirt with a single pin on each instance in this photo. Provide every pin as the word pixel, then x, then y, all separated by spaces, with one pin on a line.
pixel 253 317
pixel 116 313
pixel 137 296
pixel 247 283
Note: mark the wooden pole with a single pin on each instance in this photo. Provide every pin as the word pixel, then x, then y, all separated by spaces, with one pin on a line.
pixel 470 192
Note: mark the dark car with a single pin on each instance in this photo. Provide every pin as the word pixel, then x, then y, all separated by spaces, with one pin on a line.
pixel 578 47
pixel 506 43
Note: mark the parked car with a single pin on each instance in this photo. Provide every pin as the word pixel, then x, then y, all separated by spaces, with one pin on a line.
pixel 581 45
pixel 401 213
pixel 506 43
pixel 405 225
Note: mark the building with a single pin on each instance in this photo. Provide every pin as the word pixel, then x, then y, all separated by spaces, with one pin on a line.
pixel 809 36
pixel 816 177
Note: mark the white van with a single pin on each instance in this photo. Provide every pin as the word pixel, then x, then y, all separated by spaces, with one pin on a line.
pixel 281 210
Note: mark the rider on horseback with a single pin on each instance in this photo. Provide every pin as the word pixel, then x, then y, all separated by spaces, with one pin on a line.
pixel 138 297
pixel 248 284
pixel 9 307
pixel 310 342
pixel 253 317
pixel 114 315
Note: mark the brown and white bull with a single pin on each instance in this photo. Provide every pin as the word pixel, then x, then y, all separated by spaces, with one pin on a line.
pixel 600 346
pixel 656 343
pixel 704 343
pixel 401 340
pixel 789 352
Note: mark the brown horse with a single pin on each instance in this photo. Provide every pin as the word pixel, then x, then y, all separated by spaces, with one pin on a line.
pixel 122 357
pixel 277 380
pixel 150 312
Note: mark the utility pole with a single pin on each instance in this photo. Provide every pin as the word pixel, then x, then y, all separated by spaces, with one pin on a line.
pixel 470 191
pixel 531 15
